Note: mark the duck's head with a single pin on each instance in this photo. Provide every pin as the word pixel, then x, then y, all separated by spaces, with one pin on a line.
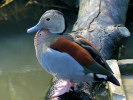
pixel 52 20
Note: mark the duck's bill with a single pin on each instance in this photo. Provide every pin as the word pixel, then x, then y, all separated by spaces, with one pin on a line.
pixel 34 28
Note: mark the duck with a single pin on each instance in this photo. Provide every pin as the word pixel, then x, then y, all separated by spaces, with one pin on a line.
pixel 70 57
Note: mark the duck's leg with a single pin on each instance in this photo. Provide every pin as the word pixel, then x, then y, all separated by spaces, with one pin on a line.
pixel 62 87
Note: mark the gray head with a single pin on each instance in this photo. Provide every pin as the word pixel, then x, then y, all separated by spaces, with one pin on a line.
pixel 53 20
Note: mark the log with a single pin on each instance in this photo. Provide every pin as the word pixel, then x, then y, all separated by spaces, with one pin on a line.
pixel 102 23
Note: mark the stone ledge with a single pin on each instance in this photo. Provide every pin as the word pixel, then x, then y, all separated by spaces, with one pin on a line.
pixel 116 92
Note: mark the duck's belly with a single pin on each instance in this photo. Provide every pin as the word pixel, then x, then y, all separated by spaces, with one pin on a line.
pixel 62 65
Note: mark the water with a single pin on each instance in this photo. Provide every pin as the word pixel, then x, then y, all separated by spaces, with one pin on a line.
pixel 21 76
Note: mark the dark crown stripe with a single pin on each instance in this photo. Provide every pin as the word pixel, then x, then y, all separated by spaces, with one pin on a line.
pixel 54 11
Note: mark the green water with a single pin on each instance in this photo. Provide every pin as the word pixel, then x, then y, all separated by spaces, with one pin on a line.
pixel 21 76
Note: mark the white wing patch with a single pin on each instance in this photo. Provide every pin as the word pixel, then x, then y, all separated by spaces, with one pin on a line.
pixel 101 76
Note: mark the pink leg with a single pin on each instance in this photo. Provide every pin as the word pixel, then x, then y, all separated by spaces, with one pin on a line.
pixel 62 87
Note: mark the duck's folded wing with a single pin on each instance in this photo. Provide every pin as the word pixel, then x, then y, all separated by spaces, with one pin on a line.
pixel 79 54
pixel 83 42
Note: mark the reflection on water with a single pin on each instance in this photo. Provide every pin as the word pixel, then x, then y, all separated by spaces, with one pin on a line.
pixel 31 85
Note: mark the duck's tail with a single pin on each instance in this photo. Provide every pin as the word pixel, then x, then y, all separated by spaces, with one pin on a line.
pixel 113 80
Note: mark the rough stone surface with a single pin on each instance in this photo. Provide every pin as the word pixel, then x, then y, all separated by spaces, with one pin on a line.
pixel 117 92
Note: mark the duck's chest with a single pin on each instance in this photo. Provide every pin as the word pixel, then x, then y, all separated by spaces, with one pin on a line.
pixel 42 47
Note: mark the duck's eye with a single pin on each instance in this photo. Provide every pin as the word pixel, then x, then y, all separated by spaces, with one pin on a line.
pixel 40 34
pixel 48 19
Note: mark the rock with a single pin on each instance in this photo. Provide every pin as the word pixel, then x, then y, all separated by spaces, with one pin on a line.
pixel 116 92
